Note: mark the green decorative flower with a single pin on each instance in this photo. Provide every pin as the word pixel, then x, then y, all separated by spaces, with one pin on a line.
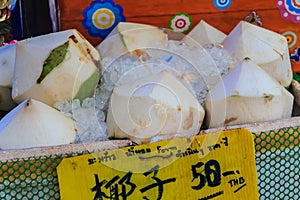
pixel 180 23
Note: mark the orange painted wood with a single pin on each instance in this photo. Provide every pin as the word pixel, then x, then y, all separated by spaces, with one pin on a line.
pixel 222 21
pixel 146 8
pixel 159 12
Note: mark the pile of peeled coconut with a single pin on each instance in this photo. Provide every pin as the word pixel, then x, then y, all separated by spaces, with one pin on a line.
pixel 141 83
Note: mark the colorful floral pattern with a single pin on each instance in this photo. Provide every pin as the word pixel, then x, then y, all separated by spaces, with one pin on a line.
pixel 291 38
pixel 222 4
pixel 101 17
pixel 180 23
pixel 289 10
pixel 296 55
pixel 253 18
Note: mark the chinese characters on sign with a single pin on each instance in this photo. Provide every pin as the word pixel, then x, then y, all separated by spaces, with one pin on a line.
pixel 122 187
pixel 177 169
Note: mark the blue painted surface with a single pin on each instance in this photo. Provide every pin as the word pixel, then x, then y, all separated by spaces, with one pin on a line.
pixel 107 10
pixel 222 4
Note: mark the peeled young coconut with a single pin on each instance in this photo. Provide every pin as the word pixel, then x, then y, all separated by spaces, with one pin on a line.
pixel 250 95
pixel 267 49
pixel 35 124
pixel 203 33
pixel 153 106
pixel 128 37
pixel 55 67
pixel 7 64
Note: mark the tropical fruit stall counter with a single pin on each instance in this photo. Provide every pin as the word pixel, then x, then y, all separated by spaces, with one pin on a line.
pixel 113 79
pixel 31 173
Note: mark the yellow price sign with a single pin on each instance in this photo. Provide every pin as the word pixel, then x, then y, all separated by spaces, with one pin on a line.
pixel 218 165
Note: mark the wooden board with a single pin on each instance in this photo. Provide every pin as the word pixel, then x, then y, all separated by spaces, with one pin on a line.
pixel 159 13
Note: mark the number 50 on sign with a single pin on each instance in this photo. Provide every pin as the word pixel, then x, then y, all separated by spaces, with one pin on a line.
pixel 178 169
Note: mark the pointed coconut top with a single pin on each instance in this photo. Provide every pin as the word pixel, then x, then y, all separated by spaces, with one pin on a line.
pixel 257 43
pixel 267 49
pixel 39 47
pixel 7 64
pixel 247 80
pixel 33 124
pixel 204 33
pixel 32 53
pixel 128 37
pixel 139 36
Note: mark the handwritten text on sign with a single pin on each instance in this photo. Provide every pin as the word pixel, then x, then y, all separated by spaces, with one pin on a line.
pixel 214 166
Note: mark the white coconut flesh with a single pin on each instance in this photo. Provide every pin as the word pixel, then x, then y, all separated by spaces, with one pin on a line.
pixel 75 76
pixel 35 124
pixel 203 33
pixel 251 95
pixel 7 64
pixel 128 37
pixel 267 49
pixel 152 106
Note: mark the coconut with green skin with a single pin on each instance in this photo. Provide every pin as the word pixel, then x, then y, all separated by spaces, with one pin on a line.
pixel 56 57
pixel 55 67
pixel 35 124
pixel 247 94
pixel 202 34
pixel 128 37
pixel 267 49
pixel 153 106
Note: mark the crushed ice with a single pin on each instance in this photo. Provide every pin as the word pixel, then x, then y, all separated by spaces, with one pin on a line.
pixel 198 68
